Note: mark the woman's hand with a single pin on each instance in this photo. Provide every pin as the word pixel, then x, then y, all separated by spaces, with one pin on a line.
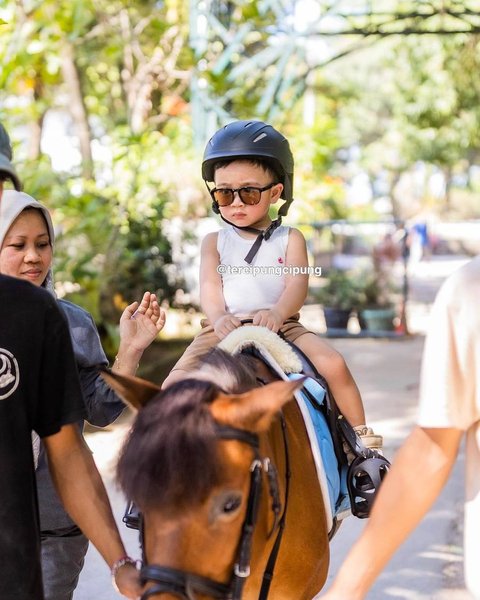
pixel 139 326
pixel 127 582
pixel 141 323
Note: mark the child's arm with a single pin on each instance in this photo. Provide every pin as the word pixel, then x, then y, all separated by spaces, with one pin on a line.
pixel 296 286
pixel 211 292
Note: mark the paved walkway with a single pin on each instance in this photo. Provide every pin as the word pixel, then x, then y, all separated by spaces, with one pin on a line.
pixel 429 565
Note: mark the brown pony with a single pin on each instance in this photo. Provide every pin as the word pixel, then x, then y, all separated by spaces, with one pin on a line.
pixel 194 463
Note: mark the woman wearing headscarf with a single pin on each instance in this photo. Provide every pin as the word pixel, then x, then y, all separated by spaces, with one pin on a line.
pixel 26 252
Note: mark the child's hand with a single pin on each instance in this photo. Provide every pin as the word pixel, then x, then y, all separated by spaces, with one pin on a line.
pixel 225 324
pixel 270 319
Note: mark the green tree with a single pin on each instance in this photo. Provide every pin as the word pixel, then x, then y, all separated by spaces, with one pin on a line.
pixel 118 72
pixel 408 101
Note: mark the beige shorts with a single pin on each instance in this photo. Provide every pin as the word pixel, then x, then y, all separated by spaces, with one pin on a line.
pixel 292 329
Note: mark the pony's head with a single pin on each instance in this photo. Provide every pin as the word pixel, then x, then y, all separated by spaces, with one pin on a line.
pixel 190 483
pixel 169 459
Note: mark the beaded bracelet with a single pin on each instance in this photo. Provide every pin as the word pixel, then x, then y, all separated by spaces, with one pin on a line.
pixel 118 362
pixel 121 562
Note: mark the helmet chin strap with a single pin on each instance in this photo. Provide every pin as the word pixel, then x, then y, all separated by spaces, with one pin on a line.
pixel 261 234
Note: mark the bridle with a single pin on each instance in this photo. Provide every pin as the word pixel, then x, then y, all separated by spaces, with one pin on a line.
pixel 185 584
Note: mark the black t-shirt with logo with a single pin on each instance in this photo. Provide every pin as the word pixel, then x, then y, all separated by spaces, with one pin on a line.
pixel 39 390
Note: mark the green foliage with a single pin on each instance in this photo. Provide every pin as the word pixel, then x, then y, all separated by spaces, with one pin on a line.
pixel 375 290
pixel 111 240
pixel 256 63
pixel 341 290
pixel 144 260
pixel 409 101
pixel 319 196
pixel 358 290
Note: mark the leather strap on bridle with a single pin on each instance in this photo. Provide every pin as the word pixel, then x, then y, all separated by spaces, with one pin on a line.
pixel 241 569
pixel 181 583
pixel 272 559
pixel 272 477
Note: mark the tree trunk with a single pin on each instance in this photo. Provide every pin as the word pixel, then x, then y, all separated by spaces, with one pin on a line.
pixel 109 313
pixel 35 125
pixel 77 108
pixel 447 172
pixel 396 204
pixel 34 138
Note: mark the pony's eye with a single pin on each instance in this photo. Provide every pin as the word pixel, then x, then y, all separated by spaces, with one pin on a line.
pixel 231 504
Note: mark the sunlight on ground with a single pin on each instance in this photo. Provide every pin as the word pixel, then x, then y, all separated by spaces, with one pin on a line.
pixel 105 446
pixel 180 324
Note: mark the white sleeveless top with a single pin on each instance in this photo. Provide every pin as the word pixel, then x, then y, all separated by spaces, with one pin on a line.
pixel 248 288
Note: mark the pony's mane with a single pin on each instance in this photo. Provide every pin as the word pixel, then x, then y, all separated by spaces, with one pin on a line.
pixel 234 374
pixel 169 460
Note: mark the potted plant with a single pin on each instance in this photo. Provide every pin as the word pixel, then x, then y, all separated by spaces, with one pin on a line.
pixel 338 295
pixel 376 309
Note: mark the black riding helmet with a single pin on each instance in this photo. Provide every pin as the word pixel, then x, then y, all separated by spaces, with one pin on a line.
pixel 258 141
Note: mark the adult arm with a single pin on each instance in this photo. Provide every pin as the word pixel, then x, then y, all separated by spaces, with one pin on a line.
pixel 418 474
pixel 140 323
pixel 102 404
pixel 296 286
pixel 211 290
pixel 83 494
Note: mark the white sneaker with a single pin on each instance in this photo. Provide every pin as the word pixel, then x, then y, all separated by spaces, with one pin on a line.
pixel 369 438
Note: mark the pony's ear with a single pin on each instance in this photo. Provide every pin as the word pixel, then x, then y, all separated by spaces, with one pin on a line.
pixel 254 410
pixel 134 391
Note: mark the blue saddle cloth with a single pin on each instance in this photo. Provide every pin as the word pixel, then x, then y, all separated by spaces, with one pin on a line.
pixel 314 396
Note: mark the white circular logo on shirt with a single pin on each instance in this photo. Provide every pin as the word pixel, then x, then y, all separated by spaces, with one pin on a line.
pixel 9 374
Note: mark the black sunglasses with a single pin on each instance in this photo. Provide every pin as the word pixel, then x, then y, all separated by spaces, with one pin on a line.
pixel 248 194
